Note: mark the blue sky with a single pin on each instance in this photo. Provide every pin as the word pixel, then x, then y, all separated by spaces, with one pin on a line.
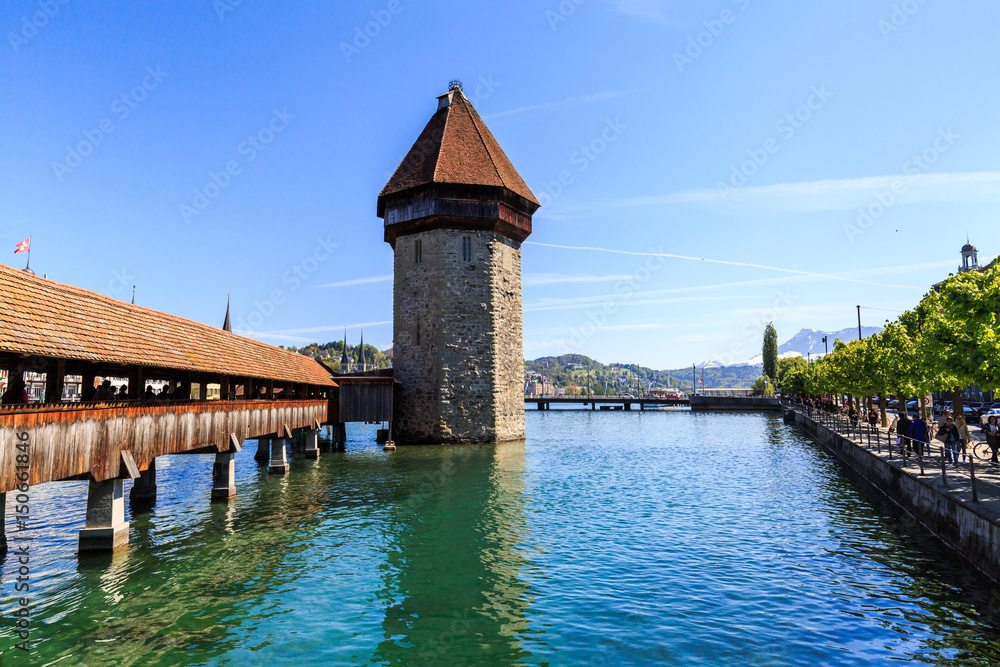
pixel 704 166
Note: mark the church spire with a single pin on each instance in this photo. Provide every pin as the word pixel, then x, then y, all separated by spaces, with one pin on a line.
pixel 363 365
pixel 345 361
pixel 227 325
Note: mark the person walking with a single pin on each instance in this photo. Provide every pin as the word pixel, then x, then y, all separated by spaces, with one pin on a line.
pixel 948 434
pixel 919 434
pixel 942 422
pixel 903 430
pixel 992 431
pixel 963 435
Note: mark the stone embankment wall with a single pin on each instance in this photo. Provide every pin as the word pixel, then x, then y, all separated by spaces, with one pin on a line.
pixel 970 528
pixel 457 342
pixel 734 403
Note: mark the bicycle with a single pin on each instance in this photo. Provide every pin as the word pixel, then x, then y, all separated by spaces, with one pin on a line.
pixel 980 448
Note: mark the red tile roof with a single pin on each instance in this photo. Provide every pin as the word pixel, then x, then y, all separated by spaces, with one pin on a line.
pixel 50 319
pixel 457 147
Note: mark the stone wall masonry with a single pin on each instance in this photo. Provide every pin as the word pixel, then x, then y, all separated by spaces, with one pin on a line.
pixel 970 528
pixel 457 350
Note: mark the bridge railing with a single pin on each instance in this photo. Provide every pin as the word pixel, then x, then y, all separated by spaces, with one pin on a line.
pixel 96 405
pixel 973 463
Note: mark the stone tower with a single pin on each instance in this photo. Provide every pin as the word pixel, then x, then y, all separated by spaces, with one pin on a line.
pixel 456 212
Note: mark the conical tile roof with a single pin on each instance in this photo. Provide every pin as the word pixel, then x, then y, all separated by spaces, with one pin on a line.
pixel 456 147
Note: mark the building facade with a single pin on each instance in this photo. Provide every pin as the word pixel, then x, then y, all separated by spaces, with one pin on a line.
pixel 456 212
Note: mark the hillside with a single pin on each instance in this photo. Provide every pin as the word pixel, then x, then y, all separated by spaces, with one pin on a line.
pixel 330 353
pixel 576 370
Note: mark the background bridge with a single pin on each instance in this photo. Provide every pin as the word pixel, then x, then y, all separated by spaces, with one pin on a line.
pixel 606 403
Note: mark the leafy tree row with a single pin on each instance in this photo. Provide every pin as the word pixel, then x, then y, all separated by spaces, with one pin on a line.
pixel 951 339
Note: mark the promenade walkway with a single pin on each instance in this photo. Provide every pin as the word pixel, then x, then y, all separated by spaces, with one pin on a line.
pixel 974 484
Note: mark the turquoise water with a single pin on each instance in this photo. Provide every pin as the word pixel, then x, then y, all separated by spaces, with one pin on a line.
pixel 604 539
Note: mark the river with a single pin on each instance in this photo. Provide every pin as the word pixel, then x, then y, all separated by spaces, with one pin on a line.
pixel 664 537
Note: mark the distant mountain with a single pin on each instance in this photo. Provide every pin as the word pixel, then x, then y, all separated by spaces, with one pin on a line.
pixel 810 342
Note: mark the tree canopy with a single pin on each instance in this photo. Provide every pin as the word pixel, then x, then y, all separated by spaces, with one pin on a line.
pixel 770 352
pixel 951 338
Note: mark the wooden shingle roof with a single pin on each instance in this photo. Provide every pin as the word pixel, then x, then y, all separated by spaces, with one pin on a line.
pixel 456 147
pixel 50 319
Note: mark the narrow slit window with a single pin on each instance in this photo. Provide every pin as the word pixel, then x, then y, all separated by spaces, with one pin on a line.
pixel 418 251
pixel 418 332
pixel 467 248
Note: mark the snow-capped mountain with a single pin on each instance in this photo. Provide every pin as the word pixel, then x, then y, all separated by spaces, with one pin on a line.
pixel 806 343
pixel 810 342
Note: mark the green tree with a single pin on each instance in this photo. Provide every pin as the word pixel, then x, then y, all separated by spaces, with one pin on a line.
pixel 961 330
pixel 787 364
pixel 763 386
pixel 770 352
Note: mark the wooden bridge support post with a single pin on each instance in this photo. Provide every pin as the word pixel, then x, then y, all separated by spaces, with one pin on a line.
pixel 144 488
pixel 106 529
pixel 339 436
pixel 312 443
pixel 263 449
pixel 299 441
pixel 279 457
pixel 224 477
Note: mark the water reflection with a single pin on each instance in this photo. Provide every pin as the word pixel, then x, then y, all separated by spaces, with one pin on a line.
pixel 607 539
pixel 454 558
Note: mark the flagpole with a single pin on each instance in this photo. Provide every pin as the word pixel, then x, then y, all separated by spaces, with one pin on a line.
pixel 28 265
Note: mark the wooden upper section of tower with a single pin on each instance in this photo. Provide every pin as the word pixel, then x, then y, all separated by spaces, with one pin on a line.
pixel 456 176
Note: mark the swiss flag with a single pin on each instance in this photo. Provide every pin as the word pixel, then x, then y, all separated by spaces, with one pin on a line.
pixel 23 246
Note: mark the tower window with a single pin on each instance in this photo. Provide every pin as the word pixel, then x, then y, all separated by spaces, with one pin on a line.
pixel 467 248
pixel 418 251
pixel 418 332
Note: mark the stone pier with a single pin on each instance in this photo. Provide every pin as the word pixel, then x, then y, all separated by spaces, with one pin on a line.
pixel 339 436
pixel 279 456
pixel 224 477
pixel 106 528
pixel 144 487
pixel 263 449
pixel 311 437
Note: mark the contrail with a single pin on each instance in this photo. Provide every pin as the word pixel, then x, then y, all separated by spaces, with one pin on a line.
pixel 721 261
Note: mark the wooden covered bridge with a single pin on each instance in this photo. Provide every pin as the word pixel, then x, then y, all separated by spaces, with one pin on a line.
pixel 223 389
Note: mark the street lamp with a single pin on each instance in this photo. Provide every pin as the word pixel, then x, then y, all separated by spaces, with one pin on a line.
pixel 825 345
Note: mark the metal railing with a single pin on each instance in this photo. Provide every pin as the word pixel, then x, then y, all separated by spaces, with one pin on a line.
pixel 932 458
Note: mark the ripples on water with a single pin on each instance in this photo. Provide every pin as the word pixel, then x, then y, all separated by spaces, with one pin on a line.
pixel 605 539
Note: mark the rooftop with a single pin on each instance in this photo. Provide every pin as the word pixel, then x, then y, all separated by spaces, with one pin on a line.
pixel 456 147
pixel 50 319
